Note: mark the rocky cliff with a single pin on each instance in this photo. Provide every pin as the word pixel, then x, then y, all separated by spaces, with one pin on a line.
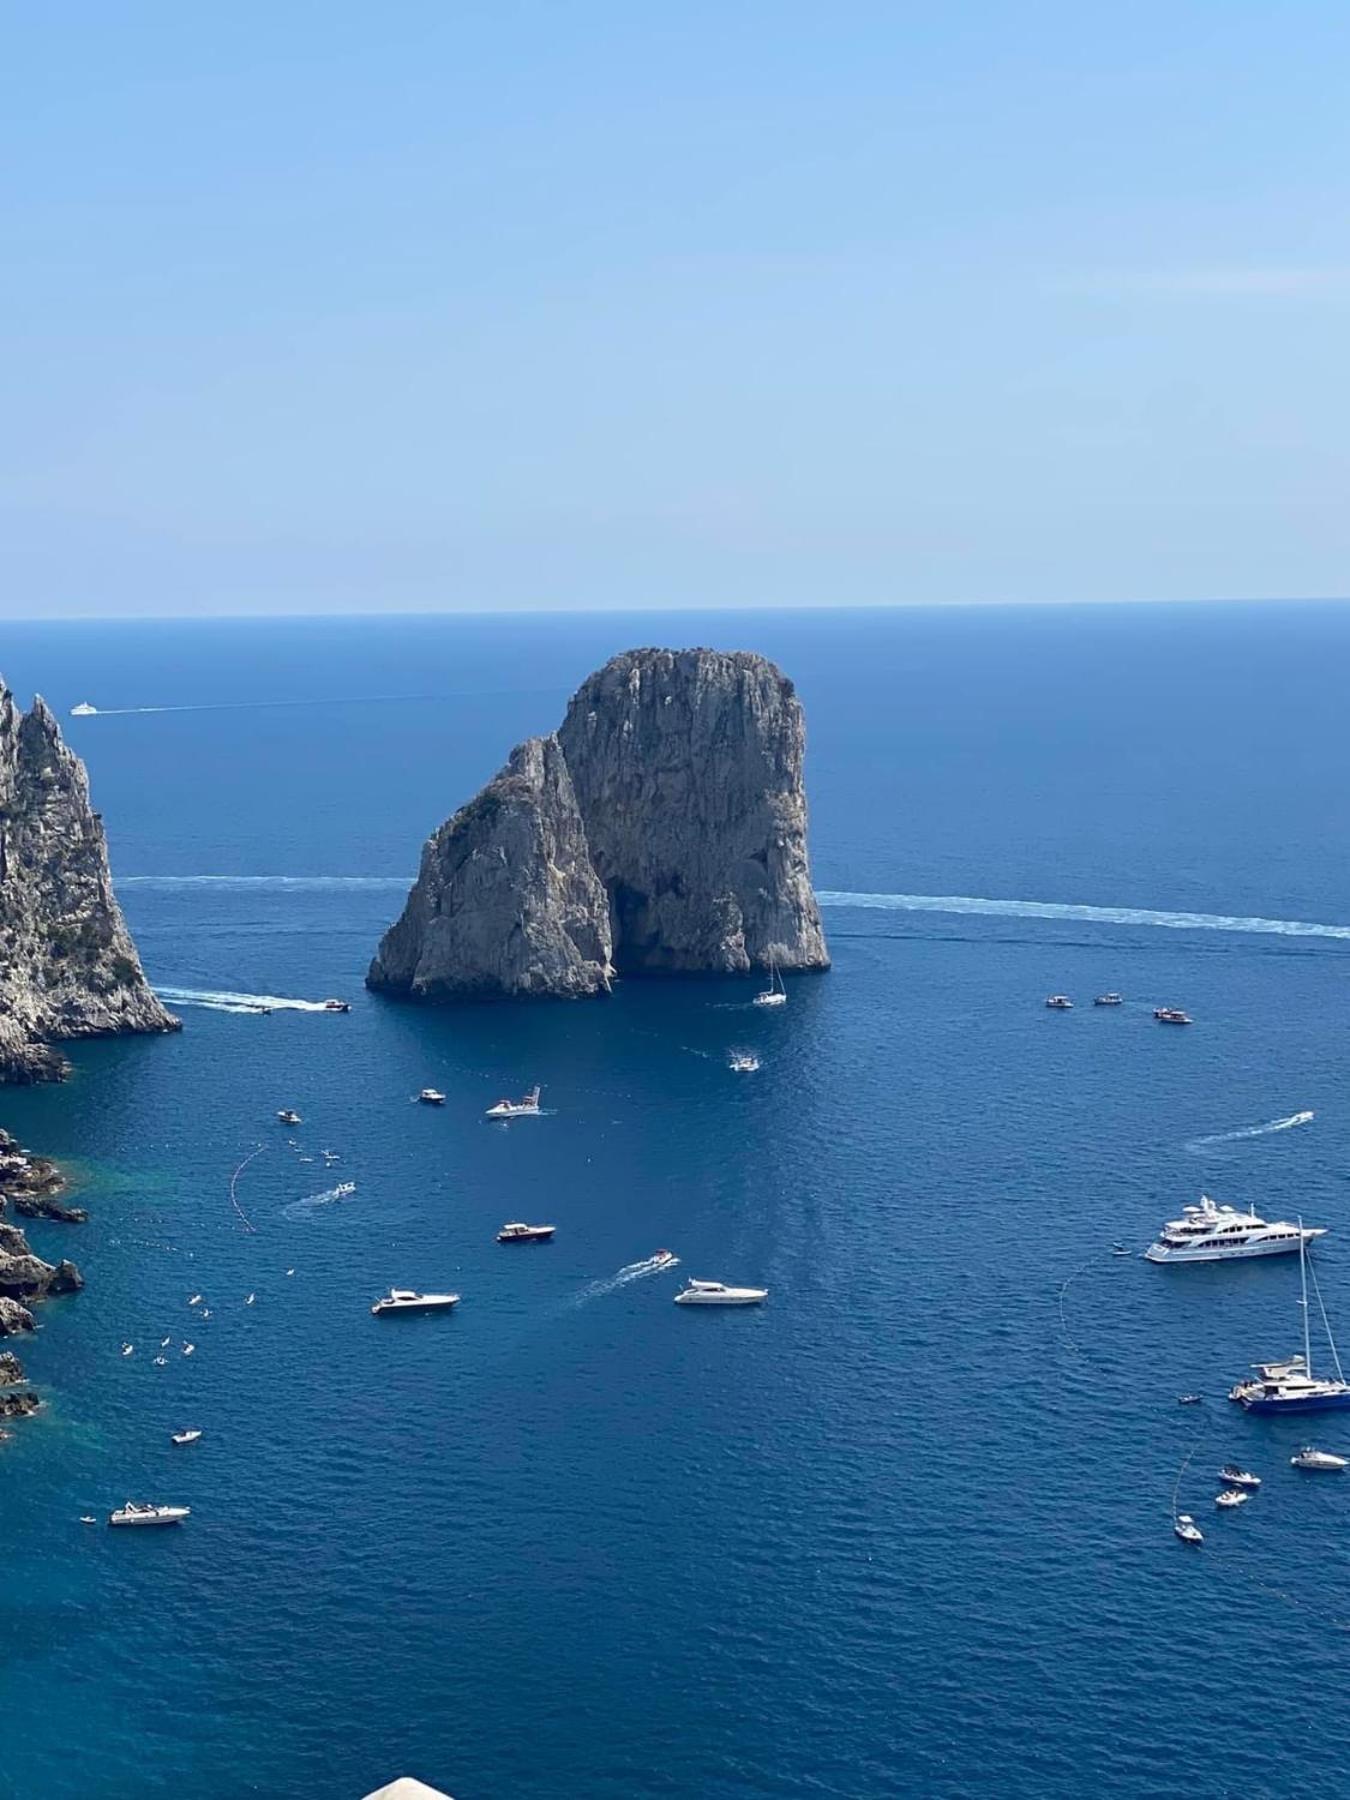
pixel 663 830
pixel 68 967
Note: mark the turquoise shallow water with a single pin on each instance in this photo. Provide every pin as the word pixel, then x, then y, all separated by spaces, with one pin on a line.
pixel 904 1530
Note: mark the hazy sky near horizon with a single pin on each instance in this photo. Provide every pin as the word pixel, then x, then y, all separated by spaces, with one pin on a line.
pixel 337 307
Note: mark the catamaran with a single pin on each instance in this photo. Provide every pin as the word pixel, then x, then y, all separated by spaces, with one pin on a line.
pixel 1291 1387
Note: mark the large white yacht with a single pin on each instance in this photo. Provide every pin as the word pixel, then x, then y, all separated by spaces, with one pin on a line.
pixel 408 1300
pixel 1210 1233
pixel 717 1293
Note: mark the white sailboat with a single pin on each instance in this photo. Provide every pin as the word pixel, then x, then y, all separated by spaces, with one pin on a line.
pixel 775 994
pixel 1291 1387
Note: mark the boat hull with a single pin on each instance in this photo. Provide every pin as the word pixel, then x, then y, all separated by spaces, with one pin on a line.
pixel 720 1299
pixel 1160 1253
pixel 414 1306
pixel 1299 1403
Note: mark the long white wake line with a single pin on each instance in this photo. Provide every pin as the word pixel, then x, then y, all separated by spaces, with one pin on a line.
pixel 238 1003
pixel 1250 1131
pixel 960 904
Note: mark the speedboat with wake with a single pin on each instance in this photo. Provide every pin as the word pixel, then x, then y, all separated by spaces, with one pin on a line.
pixel 1291 1387
pixel 1210 1233
pixel 133 1513
pixel 743 1063
pixel 1321 1460
pixel 664 1259
pixel 525 1234
pixel 409 1300
pixel 337 1006
pixel 717 1293
pixel 525 1108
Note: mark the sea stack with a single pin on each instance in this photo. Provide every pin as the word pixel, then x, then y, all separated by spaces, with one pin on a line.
pixel 661 831
pixel 69 968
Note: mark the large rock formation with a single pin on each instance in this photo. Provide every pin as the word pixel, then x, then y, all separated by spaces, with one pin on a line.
pixel 663 830
pixel 68 967
pixel 506 901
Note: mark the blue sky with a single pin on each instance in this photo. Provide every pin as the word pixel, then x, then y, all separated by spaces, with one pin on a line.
pixel 336 307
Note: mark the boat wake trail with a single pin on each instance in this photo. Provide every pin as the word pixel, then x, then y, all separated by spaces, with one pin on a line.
pixel 1249 1131
pixel 1090 915
pixel 302 1209
pixel 237 1003
pixel 631 1272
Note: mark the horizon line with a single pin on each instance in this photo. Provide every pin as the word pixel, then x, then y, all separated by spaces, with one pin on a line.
pixel 751 606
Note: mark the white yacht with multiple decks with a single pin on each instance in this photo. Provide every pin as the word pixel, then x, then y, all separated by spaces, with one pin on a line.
pixel 1210 1233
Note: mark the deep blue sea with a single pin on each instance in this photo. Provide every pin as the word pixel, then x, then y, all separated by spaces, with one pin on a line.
pixel 904 1531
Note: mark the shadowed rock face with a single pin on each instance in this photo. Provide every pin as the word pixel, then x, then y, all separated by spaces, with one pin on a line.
pixel 68 967
pixel 663 830
pixel 506 901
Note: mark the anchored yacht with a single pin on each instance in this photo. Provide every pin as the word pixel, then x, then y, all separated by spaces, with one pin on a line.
pixel 186 1437
pixel 775 994
pixel 408 1300
pixel 133 1514
pixel 1308 1458
pixel 525 1234
pixel 717 1293
pixel 526 1108
pixel 1291 1387
pixel 1210 1233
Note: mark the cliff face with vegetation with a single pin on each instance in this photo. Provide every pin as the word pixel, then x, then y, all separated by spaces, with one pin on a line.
pixel 662 830
pixel 68 967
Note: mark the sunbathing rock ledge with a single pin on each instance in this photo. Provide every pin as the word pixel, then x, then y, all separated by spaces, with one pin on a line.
pixel 661 831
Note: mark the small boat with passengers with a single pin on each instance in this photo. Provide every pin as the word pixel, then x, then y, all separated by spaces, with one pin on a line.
pixel 132 1512
pixel 1231 1498
pixel 1239 1478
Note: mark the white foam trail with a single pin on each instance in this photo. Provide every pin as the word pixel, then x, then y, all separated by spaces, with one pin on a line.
pixel 1250 1131
pixel 631 1272
pixel 968 904
pixel 300 1209
pixel 237 1003
pixel 1088 915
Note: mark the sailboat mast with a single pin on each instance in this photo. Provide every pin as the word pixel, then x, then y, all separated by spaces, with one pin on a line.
pixel 1303 1271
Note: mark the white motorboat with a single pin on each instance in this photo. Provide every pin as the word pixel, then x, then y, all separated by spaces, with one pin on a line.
pixel 1187 1529
pixel 1231 1497
pixel 1309 1458
pixel 185 1437
pixel 409 1300
pixel 743 1063
pixel 83 711
pixel 133 1513
pixel 1210 1233
pixel 775 994
pixel 189 1349
pixel 127 1349
pixel 525 1108
pixel 664 1259
pixel 717 1293
pixel 1109 1000
pixel 1172 1015
pixel 518 1233
pixel 1239 1478
pixel 1059 1003
pixel 431 1097
pixel 337 1006
pixel 288 1116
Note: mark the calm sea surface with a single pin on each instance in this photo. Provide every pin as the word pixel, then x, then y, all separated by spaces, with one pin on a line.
pixel 906 1530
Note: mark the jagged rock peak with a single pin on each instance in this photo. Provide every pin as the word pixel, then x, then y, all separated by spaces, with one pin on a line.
pixel 687 766
pixel 506 901
pixel 663 830
pixel 68 967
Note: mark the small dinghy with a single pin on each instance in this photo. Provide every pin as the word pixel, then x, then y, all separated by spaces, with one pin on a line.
pixel 188 1349
pixel 1187 1529
pixel 1231 1497
pixel 127 1349
pixel 185 1437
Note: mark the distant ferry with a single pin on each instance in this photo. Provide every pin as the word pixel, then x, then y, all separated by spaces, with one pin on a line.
pixel 408 1300
pixel 528 1108
pixel 83 710
pixel 1210 1233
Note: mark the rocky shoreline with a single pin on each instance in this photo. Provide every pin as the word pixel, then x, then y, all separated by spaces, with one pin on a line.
pixel 29 1186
